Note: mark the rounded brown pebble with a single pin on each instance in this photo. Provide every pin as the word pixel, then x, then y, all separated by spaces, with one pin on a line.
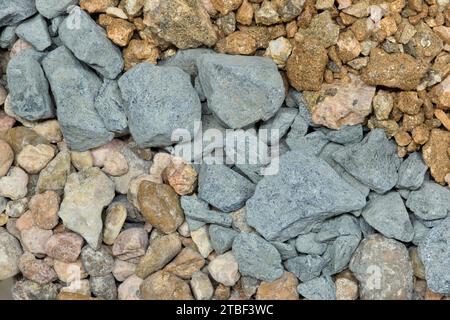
pixel 421 134
pixel 402 138
pixel 45 207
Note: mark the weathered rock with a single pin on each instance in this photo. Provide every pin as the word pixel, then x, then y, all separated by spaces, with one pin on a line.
pixel 224 188
pixel 239 100
pixel 221 238
pixel 285 288
pixel 201 240
pixel 159 253
pixel 282 121
pixel 395 70
pixel 75 88
pixel 186 23
pixel 97 263
pixel 54 176
pixel 14 185
pixel 131 243
pixel 6 158
pixel 237 43
pixel 411 173
pixel 388 215
pixel 430 202
pixel 35 158
pixel 321 288
pixel 28 87
pixel 110 107
pixel 129 289
pixel 322 28
pixel 95 49
pixel 256 257
pixel 64 246
pixel 197 211
pixel 14 11
pixel 374 161
pixel 36 270
pixel 343 103
pixel 53 8
pixel 163 285
pixel 10 252
pixel 69 272
pixel 104 287
pixel 115 164
pixel 86 193
pixel 35 32
pixel 35 239
pixel 30 290
pixel 96 6
pixel 287 204
pixel 305 267
pixel 201 286
pixel 224 269
pixel 120 31
pixel 115 218
pixel 123 270
pixel 435 255
pixel 186 263
pixel 160 205
pixel 50 130
pixel 307 243
pixel 435 154
pixel 154 115
pixel 346 287
pixel 383 269
pixel 181 176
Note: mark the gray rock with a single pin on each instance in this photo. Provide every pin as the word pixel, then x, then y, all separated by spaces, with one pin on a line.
pixel 223 188
pixel 8 37
pixel 434 251
pixel 89 43
pixel 186 59
pixel 53 8
pixel 30 290
pixel 221 238
pixel 54 25
pixel 109 105
pixel 241 90
pixel 374 161
pixel 14 11
pixel 75 88
pixel 35 32
pixel 198 87
pixel 158 101
pixel 10 252
pixel 322 288
pixel 342 225
pixel 412 172
pixel 104 287
pixel 366 229
pixel 420 230
pixel 306 243
pixel 256 257
pixel 195 210
pixel 286 250
pixel 404 193
pixel 305 267
pixel 430 202
pixel 97 263
pixel 3 203
pixel 339 253
pixel 345 135
pixel 28 87
pixel 312 143
pixel 388 215
pixel 194 224
pixel 327 155
pixel 305 192
pixel 383 269
pixel 278 126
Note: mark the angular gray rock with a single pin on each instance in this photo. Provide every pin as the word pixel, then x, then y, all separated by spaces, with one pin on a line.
pixel 374 161
pixel 412 172
pixel 14 11
pixel 420 230
pixel 321 288
pixel 241 90
pixel 109 105
pixel 53 8
pixel 383 269
pixel 388 215
pixel 28 87
pixel 89 43
pixel 10 253
pixel 221 238
pixel 286 250
pixel 307 243
pixel 8 37
pixel 223 188
pixel 345 135
pixel 104 287
pixel 75 88
pixel 97 263
pixel 35 32
pixel 430 202
pixel 305 267
pixel 30 290
pixel 305 192
pixel 54 25
pixel 195 210
pixel 299 128
pixel 186 60
pixel 434 251
pixel 278 126
pixel 256 257
pixel 158 101
pixel 312 143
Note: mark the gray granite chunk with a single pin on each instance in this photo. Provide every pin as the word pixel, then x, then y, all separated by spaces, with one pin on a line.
pixel 305 267
pixel 345 135
pixel 276 127
pixel 321 288
pixel 195 210
pixel 35 32
pixel 8 37
pixel 221 238
pixel 53 8
pixel 430 202
pixel 307 243
pixel 14 11
pixel 412 172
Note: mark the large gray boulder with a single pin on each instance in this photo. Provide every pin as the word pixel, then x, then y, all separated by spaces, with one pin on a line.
pixel 89 43
pixel 388 215
pixel 75 88
pixel 374 161
pixel 434 251
pixel 306 191
pixel 158 101
pixel 241 90
pixel 53 8
pixel 430 202
pixel 28 87
pixel 35 32
pixel 14 11
pixel 256 257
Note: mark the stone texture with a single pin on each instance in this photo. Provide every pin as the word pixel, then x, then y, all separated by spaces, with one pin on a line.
pixel 240 90
pixel 186 264
pixel 115 218
pixel 435 154
pixel 129 289
pixel 97 263
pixel 201 240
pixel 237 43
pixel 10 252
pixel 35 32
pixel 321 288
pixel 383 269
pixel 285 288
pixel 35 239
pixel 201 286
pixel 221 238
pixel 131 243
pixel 181 176
pixel 14 184
pixel 86 193
pixel 35 158
pixel 224 269
pixel 53 8
pixel 54 176
pixel 430 202
pixel 29 290
pixel 36 270
pixel 12 12
pixel 6 157
pixel 411 173
pixel 163 285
